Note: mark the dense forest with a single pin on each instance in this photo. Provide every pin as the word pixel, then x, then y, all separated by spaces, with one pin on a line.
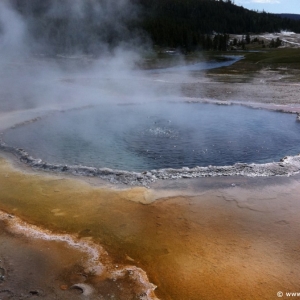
pixel 289 16
pixel 185 24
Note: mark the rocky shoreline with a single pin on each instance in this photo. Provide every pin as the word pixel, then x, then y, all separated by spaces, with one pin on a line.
pixel 287 166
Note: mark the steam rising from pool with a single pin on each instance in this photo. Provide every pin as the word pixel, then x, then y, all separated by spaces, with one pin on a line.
pixel 140 137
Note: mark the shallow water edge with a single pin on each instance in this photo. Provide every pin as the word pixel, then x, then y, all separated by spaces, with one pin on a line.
pixel 228 241
pixel 95 260
pixel 287 166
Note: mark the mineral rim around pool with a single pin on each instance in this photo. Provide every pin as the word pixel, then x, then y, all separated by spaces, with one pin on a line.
pixel 140 137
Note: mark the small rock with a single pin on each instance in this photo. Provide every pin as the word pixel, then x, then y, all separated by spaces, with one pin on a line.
pixel 129 258
pixel 34 293
pixel 63 287
pixel 85 289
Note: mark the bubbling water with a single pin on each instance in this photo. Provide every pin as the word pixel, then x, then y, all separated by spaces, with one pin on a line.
pixel 147 136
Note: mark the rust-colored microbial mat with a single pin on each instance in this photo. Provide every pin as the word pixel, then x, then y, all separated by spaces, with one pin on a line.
pixel 232 242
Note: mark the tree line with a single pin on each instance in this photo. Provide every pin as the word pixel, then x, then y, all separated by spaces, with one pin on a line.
pixel 185 24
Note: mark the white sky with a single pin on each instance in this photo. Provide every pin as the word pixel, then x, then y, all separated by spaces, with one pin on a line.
pixel 271 6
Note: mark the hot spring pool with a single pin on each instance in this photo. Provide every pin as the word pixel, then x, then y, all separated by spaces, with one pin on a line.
pixel 138 137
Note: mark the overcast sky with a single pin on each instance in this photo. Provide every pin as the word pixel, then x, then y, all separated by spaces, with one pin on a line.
pixel 272 6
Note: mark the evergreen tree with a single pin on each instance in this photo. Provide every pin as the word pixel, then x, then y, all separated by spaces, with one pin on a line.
pixel 186 24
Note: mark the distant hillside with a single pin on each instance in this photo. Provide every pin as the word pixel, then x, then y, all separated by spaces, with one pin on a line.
pixel 289 16
pixel 184 22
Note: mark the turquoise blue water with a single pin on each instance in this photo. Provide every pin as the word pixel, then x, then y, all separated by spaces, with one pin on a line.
pixel 160 135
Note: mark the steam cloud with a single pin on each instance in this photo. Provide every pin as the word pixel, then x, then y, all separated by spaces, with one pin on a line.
pixel 63 54
pixel 57 52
